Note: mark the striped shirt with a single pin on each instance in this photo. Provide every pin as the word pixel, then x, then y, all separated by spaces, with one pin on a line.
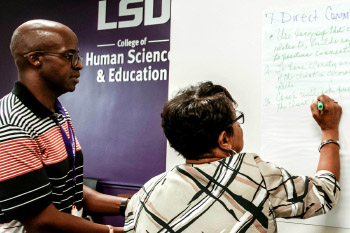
pixel 35 169
pixel 240 193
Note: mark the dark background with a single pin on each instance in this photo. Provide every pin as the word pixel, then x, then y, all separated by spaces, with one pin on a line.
pixel 117 124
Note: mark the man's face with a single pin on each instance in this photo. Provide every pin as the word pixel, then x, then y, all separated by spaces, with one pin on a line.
pixel 57 71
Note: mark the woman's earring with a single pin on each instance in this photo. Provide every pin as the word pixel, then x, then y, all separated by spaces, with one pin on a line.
pixel 233 152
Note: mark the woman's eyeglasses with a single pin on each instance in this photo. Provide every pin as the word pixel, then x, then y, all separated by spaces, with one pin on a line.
pixel 239 117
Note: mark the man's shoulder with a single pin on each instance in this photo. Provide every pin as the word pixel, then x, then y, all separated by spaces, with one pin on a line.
pixel 7 106
pixel 5 99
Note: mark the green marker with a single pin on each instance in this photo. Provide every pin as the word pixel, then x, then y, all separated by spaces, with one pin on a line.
pixel 319 105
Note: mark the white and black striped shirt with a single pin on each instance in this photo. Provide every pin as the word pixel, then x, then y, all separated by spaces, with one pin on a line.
pixel 35 169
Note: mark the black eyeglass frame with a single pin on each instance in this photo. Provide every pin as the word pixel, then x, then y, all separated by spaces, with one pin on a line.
pixel 74 58
pixel 239 117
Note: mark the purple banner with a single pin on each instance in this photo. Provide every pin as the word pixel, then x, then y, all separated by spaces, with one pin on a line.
pixel 124 84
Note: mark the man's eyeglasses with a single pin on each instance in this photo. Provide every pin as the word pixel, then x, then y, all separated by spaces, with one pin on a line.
pixel 239 117
pixel 74 58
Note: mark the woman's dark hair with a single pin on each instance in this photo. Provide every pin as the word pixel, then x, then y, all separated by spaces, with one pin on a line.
pixel 193 120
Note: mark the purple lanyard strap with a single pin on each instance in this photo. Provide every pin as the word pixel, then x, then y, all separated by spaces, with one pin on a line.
pixel 70 142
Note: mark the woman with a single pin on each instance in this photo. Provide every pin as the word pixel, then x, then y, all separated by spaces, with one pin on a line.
pixel 220 189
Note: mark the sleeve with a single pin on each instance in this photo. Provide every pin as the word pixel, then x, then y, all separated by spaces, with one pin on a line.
pixel 129 225
pixel 137 205
pixel 299 196
pixel 24 185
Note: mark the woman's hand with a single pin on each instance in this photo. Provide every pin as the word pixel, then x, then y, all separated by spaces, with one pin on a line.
pixel 328 118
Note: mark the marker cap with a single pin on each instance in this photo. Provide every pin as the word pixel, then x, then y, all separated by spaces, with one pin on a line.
pixel 319 105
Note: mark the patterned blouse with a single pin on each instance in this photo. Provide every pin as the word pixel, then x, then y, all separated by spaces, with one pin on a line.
pixel 240 193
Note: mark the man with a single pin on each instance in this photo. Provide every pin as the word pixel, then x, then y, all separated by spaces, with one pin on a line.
pixel 41 162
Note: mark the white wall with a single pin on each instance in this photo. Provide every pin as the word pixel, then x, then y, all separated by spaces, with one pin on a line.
pixel 221 41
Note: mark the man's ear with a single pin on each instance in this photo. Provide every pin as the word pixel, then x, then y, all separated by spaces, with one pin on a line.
pixel 223 141
pixel 35 59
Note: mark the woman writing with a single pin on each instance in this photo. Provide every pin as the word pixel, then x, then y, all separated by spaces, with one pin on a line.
pixel 221 189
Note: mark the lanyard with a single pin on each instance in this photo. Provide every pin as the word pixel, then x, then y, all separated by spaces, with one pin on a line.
pixel 70 142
